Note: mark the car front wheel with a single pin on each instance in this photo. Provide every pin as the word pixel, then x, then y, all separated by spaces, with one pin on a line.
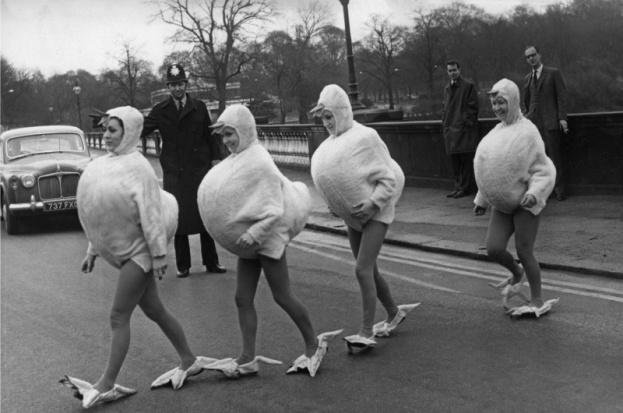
pixel 10 221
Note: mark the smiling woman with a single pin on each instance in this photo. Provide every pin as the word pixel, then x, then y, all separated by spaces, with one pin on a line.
pixel 515 177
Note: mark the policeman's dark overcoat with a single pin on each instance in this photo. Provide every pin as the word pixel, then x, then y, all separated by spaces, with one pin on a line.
pixel 188 149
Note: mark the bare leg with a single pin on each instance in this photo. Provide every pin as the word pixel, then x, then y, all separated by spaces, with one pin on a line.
pixel 383 293
pixel 153 308
pixel 130 288
pixel 526 227
pixel 501 227
pixel 369 246
pixel 276 272
pixel 248 275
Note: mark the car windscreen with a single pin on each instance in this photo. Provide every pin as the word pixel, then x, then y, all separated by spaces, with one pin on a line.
pixel 52 142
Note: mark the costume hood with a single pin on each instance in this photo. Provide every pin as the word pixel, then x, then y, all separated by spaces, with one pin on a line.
pixel 241 119
pixel 334 99
pixel 132 127
pixel 510 92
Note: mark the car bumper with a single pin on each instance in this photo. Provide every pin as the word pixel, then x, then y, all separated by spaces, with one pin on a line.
pixel 25 208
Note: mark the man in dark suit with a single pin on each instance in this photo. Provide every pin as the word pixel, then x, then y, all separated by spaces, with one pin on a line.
pixel 544 101
pixel 188 151
pixel 460 129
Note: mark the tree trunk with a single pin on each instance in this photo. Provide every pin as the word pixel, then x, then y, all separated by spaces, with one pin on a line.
pixel 221 91
pixel 390 92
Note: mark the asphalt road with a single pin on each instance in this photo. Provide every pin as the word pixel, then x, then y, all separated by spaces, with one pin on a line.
pixel 457 352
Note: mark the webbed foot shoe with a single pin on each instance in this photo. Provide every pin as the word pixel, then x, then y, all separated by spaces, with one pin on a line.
pixel 231 369
pixel 177 377
pixel 384 328
pixel 532 310
pixel 359 342
pixel 90 396
pixel 311 364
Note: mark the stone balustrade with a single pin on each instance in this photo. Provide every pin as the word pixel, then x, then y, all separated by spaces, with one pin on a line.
pixel 592 151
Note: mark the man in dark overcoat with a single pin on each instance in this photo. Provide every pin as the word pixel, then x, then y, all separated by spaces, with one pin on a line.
pixel 544 100
pixel 188 151
pixel 460 129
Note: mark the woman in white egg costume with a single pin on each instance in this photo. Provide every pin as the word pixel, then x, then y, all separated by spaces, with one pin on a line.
pixel 128 221
pixel 515 177
pixel 361 183
pixel 250 208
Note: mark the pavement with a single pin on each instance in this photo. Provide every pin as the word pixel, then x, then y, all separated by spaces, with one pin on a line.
pixel 582 234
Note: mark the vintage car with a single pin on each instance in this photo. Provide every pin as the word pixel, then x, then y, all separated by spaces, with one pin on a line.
pixel 39 171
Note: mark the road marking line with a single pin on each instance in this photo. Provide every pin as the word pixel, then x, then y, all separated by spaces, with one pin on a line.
pixel 389 273
pixel 504 274
pixel 437 265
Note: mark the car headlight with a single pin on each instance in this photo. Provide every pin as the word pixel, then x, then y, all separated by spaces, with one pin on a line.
pixel 13 182
pixel 28 181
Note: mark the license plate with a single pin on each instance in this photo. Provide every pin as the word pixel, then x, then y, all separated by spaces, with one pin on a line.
pixel 59 205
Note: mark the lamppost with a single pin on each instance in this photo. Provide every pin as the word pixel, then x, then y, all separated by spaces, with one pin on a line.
pixel 352 80
pixel 77 89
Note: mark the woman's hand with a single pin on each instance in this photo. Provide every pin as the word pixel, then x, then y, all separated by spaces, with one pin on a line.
pixel 478 210
pixel 159 272
pixel 528 201
pixel 87 263
pixel 245 241
pixel 364 210
pixel 159 266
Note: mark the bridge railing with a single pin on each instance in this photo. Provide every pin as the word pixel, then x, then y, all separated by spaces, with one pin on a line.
pixel 288 144
pixel 149 146
pixel 592 151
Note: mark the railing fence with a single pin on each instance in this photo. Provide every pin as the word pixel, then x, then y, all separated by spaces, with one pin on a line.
pixel 288 145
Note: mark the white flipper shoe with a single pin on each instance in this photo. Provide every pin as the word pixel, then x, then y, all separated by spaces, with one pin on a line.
pixel 383 328
pixel 90 396
pixel 231 369
pixel 509 290
pixel 531 310
pixel 359 342
pixel 299 365
pixel 177 377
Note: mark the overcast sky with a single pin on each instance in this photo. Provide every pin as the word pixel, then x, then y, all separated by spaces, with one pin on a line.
pixel 56 36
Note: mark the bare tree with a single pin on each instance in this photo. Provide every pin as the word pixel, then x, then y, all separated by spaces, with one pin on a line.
pixel 312 21
pixel 215 28
pixel 382 47
pixel 295 63
pixel 127 78
pixel 463 27
pixel 425 48
pixel 277 54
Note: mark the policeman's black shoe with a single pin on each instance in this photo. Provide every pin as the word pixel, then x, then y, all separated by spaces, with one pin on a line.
pixel 183 273
pixel 451 194
pixel 460 194
pixel 216 268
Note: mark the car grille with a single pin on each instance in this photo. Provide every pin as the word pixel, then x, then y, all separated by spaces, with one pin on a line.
pixel 58 186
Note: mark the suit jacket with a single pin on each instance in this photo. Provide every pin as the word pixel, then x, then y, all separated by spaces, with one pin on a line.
pixel 549 105
pixel 460 117
pixel 188 149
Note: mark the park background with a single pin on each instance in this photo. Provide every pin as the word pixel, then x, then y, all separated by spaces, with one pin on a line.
pixel 279 73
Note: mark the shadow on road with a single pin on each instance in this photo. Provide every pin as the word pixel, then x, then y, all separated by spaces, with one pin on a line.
pixel 66 222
